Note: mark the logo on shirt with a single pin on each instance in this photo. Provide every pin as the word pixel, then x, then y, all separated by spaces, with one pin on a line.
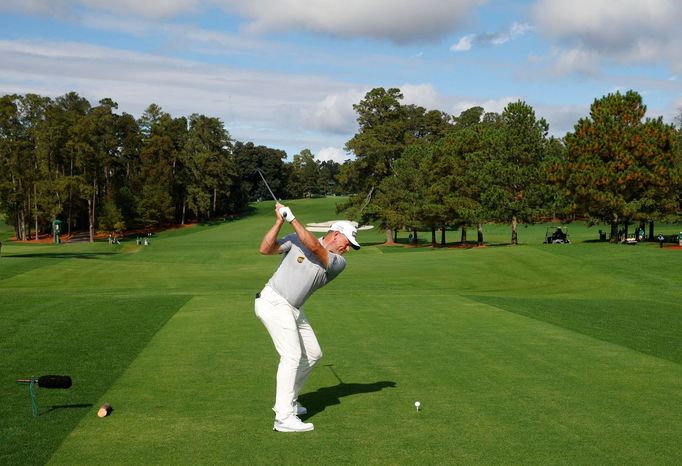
pixel 300 259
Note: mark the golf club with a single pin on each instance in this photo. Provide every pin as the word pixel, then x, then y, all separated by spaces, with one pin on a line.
pixel 334 372
pixel 268 186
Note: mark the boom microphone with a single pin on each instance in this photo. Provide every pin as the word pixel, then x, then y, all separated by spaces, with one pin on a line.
pixel 49 381
pixel 54 381
pixel 45 381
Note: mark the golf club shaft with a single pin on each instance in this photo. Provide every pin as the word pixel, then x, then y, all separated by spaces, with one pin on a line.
pixel 267 186
pixel 334 372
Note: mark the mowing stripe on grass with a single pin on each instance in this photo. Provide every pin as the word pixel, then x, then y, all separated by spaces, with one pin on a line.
pixel 91 339
pixel 192 384
pixel 659 327
pixel 496 387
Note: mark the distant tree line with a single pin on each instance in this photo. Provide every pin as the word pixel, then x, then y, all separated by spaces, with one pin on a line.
pixel 414 169
pixel 94 169
pixel 425 170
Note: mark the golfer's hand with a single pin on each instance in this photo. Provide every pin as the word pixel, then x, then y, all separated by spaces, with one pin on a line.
pixel 278 216
pixel 286 213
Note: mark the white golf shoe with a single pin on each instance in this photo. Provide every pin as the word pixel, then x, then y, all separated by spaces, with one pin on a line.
pixel 292 424
pixel 300 410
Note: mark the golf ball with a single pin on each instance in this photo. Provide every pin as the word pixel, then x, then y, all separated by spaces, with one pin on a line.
pixel 417 404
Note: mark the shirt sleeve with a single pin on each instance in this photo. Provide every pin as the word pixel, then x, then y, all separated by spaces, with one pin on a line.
pixel 336 265
pixel 285 243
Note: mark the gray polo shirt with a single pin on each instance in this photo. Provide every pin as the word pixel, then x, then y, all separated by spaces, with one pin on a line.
pixel 300 273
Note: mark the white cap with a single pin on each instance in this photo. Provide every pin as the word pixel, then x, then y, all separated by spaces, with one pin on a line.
pixel 348 230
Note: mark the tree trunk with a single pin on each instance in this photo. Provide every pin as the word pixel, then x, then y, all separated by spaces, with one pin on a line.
pixel 614 232
pixel 16 222
pixel 625 229
pixel 20 228
pixel 35 203
pixel 414 236
pixel 480 234
pixel 91 236
pixel 215 199
pixel 389 236
pixel 433 237
pixel 70 219
pixel 184 209
pixel 515 234
pixel 442 236
pixel 22 225
pixel 28 213
pixel 91 211
pixel 464 236
pixel 651 231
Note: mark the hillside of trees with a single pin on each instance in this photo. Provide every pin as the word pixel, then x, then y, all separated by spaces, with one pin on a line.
pixel 96 170
pixel 413 168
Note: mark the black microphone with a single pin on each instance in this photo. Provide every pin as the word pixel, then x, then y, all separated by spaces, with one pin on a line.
pixel 49 381
pixel 54 381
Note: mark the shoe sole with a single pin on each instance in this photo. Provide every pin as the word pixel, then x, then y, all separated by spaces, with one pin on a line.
pixel 284 429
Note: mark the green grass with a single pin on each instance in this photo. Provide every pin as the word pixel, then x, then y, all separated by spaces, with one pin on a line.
pixel 534 354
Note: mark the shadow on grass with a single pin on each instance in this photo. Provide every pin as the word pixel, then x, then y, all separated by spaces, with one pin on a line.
pixel 317 401
pixel 405 247
pixel 71 406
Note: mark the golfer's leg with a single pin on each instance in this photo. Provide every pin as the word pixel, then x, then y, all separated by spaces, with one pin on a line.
pixel 311 352
pixel 280 323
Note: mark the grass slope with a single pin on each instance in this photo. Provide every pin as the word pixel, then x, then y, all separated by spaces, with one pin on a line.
pixel 543 354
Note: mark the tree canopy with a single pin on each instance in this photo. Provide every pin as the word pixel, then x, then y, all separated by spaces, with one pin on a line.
pixel 95 168
pixel 98 170
pixel 621 166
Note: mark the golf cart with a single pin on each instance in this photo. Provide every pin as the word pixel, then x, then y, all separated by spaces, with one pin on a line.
pixel 556 235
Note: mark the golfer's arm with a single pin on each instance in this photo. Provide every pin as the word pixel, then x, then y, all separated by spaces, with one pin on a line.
pixel 268 245
pixel 310 242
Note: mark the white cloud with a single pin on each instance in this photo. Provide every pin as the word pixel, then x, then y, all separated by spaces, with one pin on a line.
pixel 626 32
pixel 603 23
pixel 489 105
pixel 423 95
pixel 466 43
pixel 263 107
pixel 335 113
pixel 73 8
pixel 146 8
pixel 334 154
pixel 561 118
pixel 400 22
pixel 185 36
pixel 58 8
pixel 575 60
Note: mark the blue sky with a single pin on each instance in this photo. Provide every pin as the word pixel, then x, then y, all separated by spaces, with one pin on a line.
pixel 285 73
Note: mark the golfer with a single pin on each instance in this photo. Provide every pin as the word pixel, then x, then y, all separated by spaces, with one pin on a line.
pixel 308 263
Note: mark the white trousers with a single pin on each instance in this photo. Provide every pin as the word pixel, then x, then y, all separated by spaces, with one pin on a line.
pixel 296 343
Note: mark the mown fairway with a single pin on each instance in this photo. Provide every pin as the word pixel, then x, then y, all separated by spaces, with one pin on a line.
pixel 534 354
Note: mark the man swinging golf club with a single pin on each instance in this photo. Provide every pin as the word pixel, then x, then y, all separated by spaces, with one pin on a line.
pixel 308 263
